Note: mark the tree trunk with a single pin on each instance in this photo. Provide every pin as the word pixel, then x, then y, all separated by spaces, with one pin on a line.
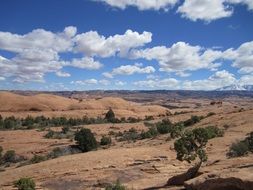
pixel 181 178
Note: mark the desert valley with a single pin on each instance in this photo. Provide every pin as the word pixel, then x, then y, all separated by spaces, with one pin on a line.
pixel 126 95
pixel 136 147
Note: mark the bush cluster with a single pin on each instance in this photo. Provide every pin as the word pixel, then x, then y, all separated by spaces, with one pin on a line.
pixel 130 135
pixel 41 121
pixel 152 132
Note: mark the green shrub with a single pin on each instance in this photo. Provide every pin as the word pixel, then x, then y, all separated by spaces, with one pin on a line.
pixel 149 117
pixel 249 141
pixel 242 147
pixel 49 134
pixel 163 129
pixel 176 131
pixel 10 123
pixel 9 156
pixel 85 140
pixel 110 116
pixel 164 126
pixel 28 121
pixel 25 184
pixel 55 153
pixel 37 158
pixel 105 140
pixel 237 149
pixel 152 132
pixel 213 132
pixel 193 120
pixel 1 122
pixel 133 120
pixel 65 129
pixel 191 145
pixel 130 135
pixel 116 186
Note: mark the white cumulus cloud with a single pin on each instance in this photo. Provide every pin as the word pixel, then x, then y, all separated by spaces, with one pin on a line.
pixel 180 57
pixel 169 83
pixel 130 70
pixel 62 74
pixel 209 10
pixel 93 44
pixel 141 4
pixel 217 80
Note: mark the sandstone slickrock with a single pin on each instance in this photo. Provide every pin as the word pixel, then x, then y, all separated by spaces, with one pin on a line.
pixel 232 179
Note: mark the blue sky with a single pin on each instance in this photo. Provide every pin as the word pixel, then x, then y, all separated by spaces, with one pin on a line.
pixel 125 44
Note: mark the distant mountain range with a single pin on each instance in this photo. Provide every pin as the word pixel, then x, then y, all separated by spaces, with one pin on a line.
pixel 236 87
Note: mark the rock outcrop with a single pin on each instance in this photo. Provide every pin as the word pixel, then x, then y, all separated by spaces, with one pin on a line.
pixel 233 179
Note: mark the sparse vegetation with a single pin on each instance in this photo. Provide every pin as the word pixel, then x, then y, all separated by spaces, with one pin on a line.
pixel 55 153
pixel 238 149
pixel 210 114
pixel 116 186
pixel 241 148
pixel 12 123
pixel 10 156
pixel 149 118
pixel 66 133
pixel 193 120
pixel 37 159
pixel 133 120
pixel 130 135
pixel 65 129
pixel 214 132
pixel 85 140
pixel 25 184
pixel 152 132
pixel 105 140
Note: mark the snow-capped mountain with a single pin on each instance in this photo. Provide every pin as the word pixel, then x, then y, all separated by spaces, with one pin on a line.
pixel 236 87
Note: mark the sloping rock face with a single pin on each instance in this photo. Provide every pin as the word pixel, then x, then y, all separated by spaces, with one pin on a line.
pixel 236 179
pixel 181 178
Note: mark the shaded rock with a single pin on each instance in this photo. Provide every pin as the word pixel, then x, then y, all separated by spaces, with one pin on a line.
pixel 181 178
pixel 227 180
